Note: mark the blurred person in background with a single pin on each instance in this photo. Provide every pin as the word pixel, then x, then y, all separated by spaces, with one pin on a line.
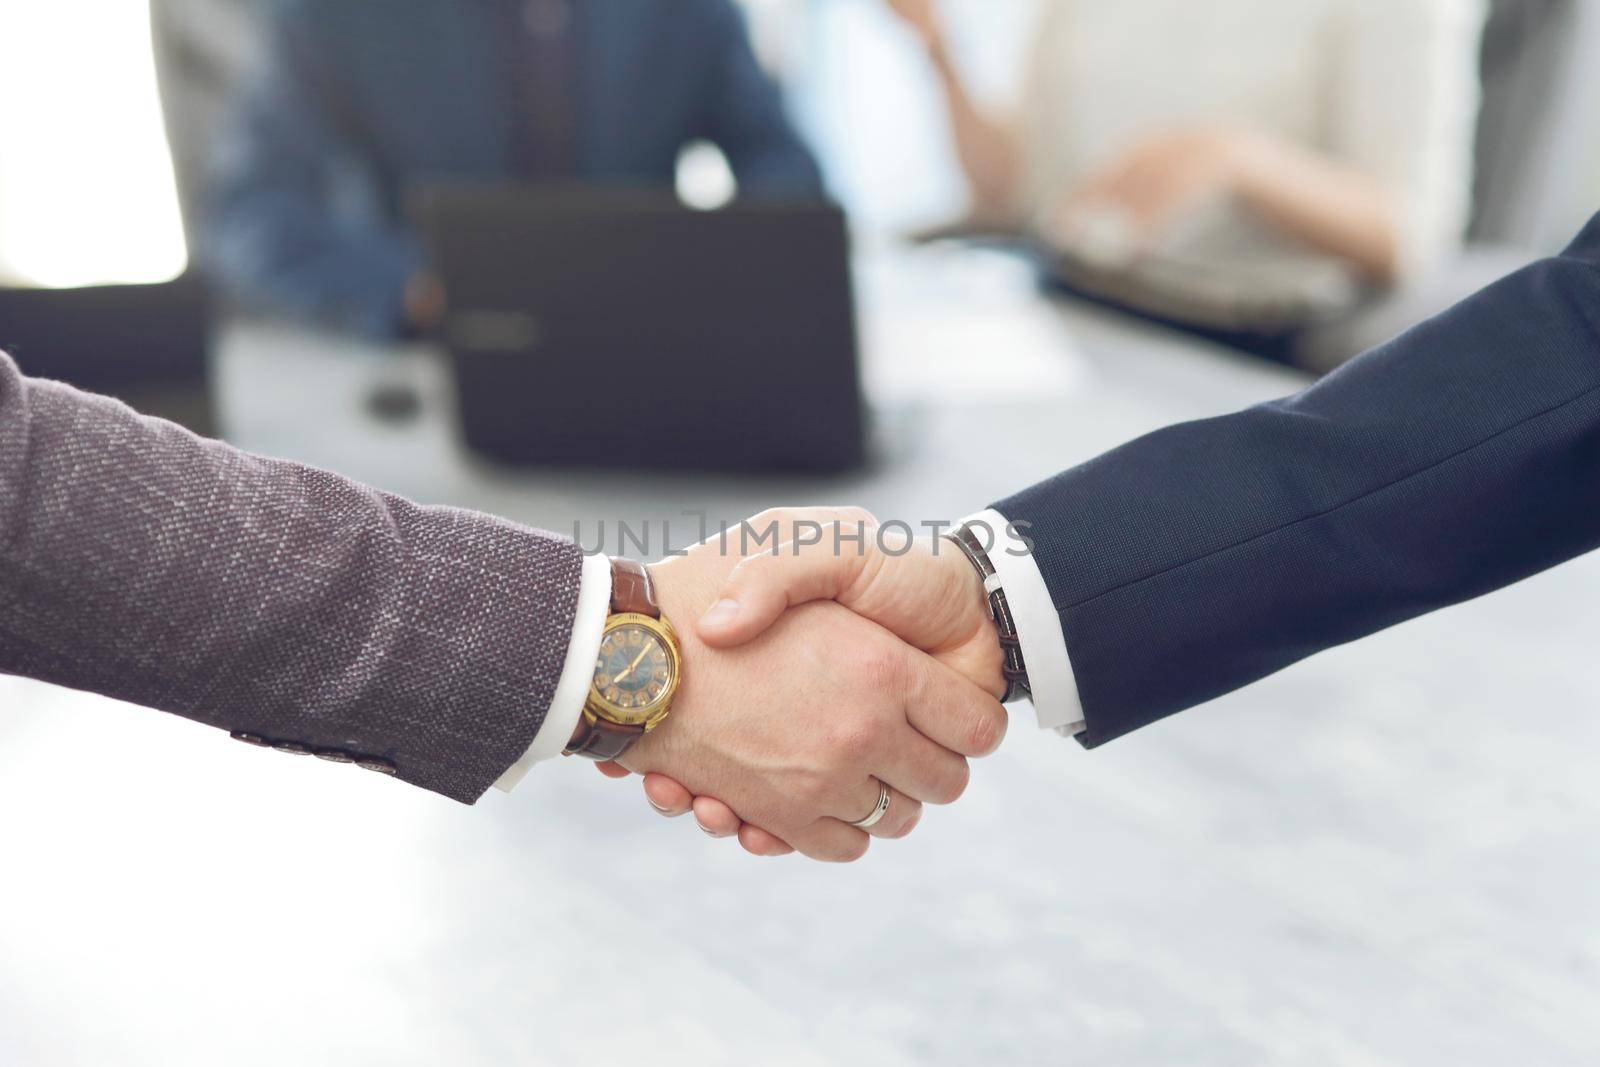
pixel 203 51
pixel 355 104
pixel 1242 167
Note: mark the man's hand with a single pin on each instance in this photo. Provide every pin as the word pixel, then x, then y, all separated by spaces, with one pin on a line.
pixel 926 593
pixel 794 731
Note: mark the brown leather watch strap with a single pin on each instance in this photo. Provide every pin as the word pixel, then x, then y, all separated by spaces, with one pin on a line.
pixel 631 591
pixel 601 740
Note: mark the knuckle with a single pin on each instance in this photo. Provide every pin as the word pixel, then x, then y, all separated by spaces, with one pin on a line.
pixel 986 730
pixel 881 667
pixel 812 789
pixel 851 744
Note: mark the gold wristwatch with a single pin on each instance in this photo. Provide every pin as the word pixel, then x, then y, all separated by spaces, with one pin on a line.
pixel 636 674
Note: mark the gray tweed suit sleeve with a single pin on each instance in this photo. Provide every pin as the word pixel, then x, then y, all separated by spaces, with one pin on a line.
pixel 147 564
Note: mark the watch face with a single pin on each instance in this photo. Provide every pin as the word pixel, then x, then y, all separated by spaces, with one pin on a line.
pixel 634 673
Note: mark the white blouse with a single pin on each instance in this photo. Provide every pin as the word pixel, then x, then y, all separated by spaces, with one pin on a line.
pixel 1386 86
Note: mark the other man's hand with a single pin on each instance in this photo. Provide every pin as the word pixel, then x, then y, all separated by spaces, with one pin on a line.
pixel 794 731
pixel 923 591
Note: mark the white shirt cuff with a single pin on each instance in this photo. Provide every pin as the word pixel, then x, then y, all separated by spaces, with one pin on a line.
pixel 561 718
pixel 1044 646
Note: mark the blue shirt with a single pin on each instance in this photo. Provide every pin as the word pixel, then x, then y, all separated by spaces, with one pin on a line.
pixel 358 102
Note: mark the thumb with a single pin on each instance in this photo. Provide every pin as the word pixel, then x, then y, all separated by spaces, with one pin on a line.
pixel 760 589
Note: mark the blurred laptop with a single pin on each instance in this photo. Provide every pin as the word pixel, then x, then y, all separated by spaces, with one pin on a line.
pixel 1220 268
pixel 605 327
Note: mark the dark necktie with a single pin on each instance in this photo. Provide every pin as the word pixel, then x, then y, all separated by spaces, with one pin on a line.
pixel 541 58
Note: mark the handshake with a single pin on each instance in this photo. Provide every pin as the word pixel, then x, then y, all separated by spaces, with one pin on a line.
pixel 843 668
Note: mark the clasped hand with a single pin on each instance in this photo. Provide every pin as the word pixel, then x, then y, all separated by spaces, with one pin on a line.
pixel 815 671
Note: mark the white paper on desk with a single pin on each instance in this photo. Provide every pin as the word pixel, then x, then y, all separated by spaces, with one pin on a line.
pixel 959 326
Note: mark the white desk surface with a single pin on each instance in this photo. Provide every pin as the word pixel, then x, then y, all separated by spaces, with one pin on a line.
pixel 1389 854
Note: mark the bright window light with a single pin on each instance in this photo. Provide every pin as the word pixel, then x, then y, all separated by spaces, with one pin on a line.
pixel 87 195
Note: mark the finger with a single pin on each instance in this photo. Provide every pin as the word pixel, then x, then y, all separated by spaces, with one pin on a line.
pixel 898 819
pixel 831 841
pixel 952 712
pixel 763 587
pixel 612 769
pixel 715 817
pixel 667 796
pixel 759 842
pixel 921 769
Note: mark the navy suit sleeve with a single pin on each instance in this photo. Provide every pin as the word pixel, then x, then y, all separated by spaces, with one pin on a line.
pixel 1458 458
pixel 746 116
pixel 275 239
